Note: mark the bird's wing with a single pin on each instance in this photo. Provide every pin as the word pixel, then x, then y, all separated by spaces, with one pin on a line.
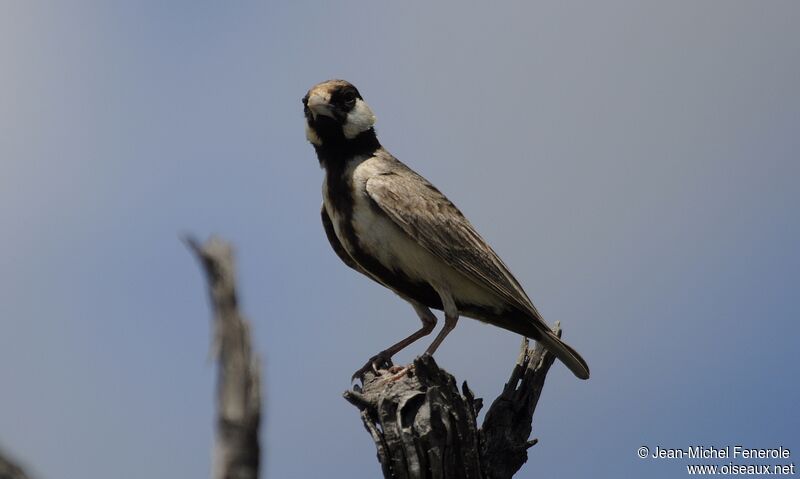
pixel 336 244
pixel 434 222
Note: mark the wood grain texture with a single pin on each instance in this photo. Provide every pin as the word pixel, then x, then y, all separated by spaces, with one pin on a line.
pixel 423 426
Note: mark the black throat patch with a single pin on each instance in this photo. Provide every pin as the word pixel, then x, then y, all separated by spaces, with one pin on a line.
pixel 334 157
pixel 336 149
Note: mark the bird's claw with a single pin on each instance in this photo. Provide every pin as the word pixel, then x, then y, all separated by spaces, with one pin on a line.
pixel 376 364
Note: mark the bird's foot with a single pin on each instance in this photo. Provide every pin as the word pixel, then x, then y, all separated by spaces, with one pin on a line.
pixel 380 362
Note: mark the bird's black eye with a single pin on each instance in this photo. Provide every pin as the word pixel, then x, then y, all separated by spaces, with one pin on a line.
pixel 349 98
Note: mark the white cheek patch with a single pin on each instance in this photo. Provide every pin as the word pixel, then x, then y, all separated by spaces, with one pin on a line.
pixel 312 136
pixel 359 120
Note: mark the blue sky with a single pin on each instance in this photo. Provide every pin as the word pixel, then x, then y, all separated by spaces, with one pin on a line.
pixel 634 163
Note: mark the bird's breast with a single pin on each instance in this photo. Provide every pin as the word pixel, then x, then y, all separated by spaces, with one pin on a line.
pixel 379 236
pixel 380 246
pixel 364 230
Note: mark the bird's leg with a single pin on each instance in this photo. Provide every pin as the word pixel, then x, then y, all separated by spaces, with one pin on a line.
pixel 376 362
pixel 450 320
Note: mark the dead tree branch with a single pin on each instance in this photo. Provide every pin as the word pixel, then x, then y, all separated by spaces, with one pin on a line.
pixel 9 470
pixel 423 427
pixel 236 449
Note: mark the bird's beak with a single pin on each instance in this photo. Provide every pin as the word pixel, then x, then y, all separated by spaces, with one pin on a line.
pixel 318 104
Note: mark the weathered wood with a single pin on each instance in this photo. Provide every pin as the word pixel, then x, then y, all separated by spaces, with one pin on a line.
pixel 236 449
pixel 9 470
pixel 424 427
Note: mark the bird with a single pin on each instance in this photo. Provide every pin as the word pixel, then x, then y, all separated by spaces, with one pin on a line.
pixel 390 224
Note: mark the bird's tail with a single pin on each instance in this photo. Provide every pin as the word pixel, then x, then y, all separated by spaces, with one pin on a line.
pixel 535 328
pixel 563 352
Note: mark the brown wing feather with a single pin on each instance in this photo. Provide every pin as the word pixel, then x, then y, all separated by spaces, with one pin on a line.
pixel 426 215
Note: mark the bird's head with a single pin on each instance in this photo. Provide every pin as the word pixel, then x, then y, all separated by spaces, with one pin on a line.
pixel 335 113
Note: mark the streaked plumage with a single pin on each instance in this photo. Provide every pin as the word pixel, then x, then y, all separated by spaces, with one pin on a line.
pixel 389 223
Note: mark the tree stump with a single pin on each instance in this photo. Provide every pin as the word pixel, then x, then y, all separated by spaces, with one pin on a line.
pixel 424 427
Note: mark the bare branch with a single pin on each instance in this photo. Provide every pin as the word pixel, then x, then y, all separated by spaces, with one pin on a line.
pixel 9 470
pixel 507 425
pixel 236 449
